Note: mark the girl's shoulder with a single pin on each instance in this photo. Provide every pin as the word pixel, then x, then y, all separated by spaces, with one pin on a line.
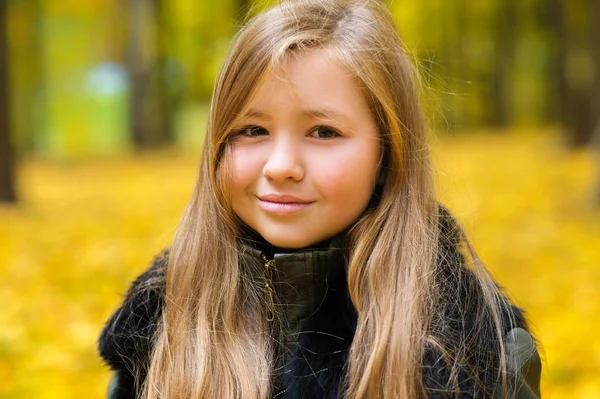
pixel 125 341
pixel 523 363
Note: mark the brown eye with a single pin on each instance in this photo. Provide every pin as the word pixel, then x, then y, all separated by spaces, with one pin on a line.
pixel 324 133
pixel 252 131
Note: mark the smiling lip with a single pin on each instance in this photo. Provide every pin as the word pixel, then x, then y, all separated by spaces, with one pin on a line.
pixel 282 204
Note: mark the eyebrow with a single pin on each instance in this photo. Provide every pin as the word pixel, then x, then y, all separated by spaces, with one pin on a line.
pixel 325 113
pixel 322 113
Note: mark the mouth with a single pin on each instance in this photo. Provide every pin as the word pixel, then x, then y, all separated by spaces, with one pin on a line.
pixel 283 199
pixel 282 204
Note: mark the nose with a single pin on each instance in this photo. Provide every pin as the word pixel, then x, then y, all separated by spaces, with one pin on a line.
pixel 284 162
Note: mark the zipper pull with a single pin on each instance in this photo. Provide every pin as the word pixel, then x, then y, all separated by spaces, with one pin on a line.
pixel 268 269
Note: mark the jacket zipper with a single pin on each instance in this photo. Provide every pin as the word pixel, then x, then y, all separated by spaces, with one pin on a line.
pixel 269 264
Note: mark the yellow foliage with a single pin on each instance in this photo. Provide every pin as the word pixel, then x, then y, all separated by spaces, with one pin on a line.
pixel 84 230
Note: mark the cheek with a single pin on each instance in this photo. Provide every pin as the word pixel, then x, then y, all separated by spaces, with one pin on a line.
pixel 245 168
pixel 354 186
pixel 349 187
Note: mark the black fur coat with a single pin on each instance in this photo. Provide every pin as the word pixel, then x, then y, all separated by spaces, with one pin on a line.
pixel 317 358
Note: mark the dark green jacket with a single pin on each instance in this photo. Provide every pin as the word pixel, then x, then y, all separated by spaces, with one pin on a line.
pixel 319 323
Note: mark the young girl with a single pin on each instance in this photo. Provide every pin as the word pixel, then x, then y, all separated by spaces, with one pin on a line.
pixel 313 260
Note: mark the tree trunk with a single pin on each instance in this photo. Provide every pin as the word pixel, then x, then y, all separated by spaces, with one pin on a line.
pixel 166 97
pixel 455 28
pixel 554 24
pixel 504 62
pixel 7 159
pixel 26 58
pixel 148 115
pixel 595 31
pixel 578 94
pixel 595 43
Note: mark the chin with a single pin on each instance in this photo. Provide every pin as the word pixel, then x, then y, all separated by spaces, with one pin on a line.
pixel 289 241
pixel 289 244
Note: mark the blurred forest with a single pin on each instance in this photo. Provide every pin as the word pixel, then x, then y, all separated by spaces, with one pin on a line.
pixel 103 106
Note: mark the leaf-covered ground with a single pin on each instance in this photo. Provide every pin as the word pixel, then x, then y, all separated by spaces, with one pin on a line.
pixel 84 230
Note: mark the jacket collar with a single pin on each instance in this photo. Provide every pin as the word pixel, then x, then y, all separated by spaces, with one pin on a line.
pixel 300 278
pixel 315 319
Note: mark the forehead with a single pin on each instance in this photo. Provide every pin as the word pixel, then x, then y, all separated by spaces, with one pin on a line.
pixel 312 79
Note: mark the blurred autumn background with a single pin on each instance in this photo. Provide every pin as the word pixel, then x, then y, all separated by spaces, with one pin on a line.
pixel 103 107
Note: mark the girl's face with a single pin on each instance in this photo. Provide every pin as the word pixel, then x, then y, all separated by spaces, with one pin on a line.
pixel 305 156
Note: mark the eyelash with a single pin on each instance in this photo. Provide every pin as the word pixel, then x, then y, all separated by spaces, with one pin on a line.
pixel 241 131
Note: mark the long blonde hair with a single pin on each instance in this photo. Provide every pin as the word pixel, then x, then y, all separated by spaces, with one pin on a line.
pixel 213 340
